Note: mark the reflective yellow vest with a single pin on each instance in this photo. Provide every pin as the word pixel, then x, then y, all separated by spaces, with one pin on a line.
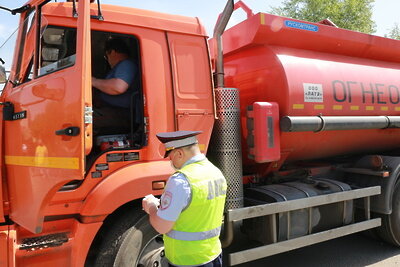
pixel 194 239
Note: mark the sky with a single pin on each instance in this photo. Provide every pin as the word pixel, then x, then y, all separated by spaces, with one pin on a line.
pixel 385 13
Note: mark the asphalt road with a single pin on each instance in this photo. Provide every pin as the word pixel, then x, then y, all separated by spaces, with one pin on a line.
pixel 350 251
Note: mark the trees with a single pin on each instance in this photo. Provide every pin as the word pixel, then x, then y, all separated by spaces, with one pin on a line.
pixel 354 15
pixel 394 32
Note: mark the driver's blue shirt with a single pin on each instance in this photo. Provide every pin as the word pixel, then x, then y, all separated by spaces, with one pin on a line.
pixel 127 71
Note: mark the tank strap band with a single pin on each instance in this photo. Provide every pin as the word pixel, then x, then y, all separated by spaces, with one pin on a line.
pixel 194 236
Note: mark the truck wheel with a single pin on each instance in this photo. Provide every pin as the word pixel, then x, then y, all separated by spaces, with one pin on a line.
pixel 130 241
pixel 390 229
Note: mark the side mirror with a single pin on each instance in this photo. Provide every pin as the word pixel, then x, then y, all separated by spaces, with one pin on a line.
pixel 3 76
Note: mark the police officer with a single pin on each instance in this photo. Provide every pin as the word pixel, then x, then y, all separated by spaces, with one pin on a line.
pixel 192 205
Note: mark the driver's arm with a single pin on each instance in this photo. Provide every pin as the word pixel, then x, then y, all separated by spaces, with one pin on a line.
pixel 113 86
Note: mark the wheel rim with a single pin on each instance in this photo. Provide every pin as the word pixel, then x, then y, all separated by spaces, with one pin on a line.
pixel 153 253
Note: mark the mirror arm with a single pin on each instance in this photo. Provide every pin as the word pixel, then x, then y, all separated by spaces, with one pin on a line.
pixel 7 9
pixel 20 9
pixel 99 14
pixel 16 10
pixel 74 11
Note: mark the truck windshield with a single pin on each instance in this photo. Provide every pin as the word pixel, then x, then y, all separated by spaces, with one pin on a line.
pixel 24 60
pixel 6 49
pixel 7 44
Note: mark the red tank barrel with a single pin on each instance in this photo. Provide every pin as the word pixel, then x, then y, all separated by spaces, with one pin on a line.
pixel 316 71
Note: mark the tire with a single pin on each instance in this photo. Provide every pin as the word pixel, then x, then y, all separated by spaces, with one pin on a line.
pixel 129 240
pixel 390 229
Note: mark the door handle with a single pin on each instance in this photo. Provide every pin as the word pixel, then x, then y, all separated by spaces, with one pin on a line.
pixel 69 131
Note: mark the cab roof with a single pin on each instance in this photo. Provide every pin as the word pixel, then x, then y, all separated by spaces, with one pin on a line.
pixel 134 16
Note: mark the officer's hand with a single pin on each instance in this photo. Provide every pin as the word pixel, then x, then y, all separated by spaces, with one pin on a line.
pixel 150 202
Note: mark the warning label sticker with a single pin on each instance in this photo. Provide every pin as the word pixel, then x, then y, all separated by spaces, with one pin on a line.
pixel 313 92
pixel 102 167
pixel 96 174
pixel 131 156
pixel 115 157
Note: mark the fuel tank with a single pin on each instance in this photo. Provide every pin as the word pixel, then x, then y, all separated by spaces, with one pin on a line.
pixel 311 69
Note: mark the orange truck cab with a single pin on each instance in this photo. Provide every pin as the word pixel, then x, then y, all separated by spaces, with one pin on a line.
pixel 305 131
pixel 60 180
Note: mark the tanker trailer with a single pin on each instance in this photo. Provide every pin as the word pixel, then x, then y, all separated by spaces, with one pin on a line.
pixel 319 116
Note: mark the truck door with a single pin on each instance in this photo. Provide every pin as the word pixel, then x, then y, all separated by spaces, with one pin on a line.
pixel 192 84
pixel 47 136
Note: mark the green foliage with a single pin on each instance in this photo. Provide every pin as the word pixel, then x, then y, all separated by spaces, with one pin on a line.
pixel 354 15
pixel 394 32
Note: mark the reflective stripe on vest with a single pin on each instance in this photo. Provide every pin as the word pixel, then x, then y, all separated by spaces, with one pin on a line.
pixel 190 236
